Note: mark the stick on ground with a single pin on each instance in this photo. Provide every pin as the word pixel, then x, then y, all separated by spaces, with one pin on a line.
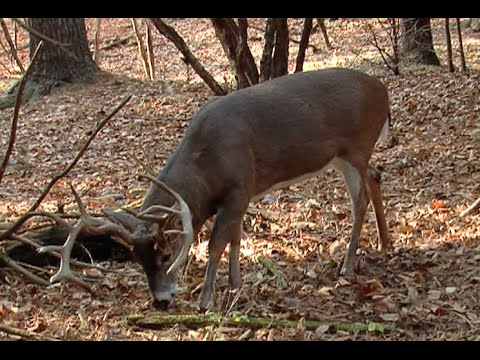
pixel 159 321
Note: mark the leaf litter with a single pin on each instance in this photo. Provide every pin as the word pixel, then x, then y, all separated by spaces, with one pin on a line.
pixel 426 286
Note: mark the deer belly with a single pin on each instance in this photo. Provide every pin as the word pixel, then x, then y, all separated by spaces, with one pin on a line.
pixel 287 183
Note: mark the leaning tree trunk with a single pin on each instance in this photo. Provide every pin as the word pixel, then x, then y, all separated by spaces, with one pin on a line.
pixel 67 58
pixel 417 42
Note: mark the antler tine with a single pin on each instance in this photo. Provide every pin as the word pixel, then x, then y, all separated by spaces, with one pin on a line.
pixel 186 218
pixel 90 224
pixel 79 202
pixel 96 225
pixel 65 252
pixel 147 213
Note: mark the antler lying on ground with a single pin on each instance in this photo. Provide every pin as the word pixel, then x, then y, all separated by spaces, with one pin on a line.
pixel 9 232
pixel 92 226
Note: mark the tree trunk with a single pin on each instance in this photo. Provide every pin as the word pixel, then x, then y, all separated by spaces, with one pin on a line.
pixel 307 29
pixel 417 42
pixel 323 29
pixel 448 38
pixel 280 55
pixel 65 57
pixel 234 43
pixel 463 64
pixel 267 54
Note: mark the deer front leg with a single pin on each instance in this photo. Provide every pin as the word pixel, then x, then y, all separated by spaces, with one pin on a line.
pixel 227 229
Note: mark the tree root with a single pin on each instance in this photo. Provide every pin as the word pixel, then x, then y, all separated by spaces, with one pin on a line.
pixel 32 90
pixel 157 321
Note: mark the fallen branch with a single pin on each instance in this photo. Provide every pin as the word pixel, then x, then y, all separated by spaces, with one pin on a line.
pixel 472 208
pixel 117 42
pixel 14 265
pixel 25 333
pixel 159 321
pixel 8 233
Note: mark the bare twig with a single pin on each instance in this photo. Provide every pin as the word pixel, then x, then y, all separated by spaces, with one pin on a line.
pixel 16 110
pixel 323 28
pixel 117 42
pixel 24 333
pixel 57 177
pixel 57 219
pixel 170 33
pixel 63 46
pixel 13 264
pixel 149 169
pixel 293 40
pixel 141 49
pixel 392 61
pixel 150 52
pixel 13 50
pixel 6 51
pixel 472 208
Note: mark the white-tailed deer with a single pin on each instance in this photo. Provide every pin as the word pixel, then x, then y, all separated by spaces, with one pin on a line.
pixel 249 142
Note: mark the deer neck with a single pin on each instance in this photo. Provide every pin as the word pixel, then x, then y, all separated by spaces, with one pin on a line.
pixel 191 187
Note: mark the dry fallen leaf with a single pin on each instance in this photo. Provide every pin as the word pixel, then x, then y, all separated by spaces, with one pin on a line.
pixel 389 317
pixel 430 174
pixel 434 294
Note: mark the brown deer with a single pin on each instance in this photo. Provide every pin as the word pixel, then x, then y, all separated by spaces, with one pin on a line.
pixel 243 145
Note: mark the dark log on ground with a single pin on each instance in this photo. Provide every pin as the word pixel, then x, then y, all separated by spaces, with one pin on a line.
pixel 99 248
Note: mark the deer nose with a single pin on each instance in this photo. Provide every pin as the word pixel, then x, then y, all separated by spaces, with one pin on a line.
pixel 161 304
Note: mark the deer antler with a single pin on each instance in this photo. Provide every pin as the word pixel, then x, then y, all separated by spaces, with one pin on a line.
pixel 184 214
pixel 92 225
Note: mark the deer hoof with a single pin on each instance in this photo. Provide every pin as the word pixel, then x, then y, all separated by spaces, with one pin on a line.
pixel 205 302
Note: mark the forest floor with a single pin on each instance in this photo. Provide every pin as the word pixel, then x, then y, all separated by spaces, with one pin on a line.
pixel 425 288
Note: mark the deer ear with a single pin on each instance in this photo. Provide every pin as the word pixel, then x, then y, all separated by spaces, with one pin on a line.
pixel 129 221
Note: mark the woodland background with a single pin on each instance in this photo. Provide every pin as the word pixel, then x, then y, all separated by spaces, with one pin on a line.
pixel 425 288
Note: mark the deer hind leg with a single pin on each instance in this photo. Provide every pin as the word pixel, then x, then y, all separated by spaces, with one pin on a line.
pixel 355 179
pixel 234 278
pixel 375 194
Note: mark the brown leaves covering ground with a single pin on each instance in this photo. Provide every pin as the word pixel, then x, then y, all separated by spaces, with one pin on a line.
pixel 427 286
